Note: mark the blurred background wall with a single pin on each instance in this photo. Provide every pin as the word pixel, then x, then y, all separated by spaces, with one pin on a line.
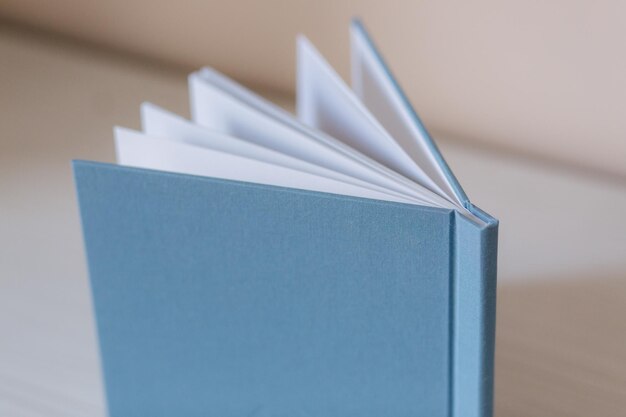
pixel 546 78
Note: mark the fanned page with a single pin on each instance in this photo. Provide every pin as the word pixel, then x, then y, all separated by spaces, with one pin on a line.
pixel 376 88
pixel 360 142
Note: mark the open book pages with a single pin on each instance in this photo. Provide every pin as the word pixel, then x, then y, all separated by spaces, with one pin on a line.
pixel 363 141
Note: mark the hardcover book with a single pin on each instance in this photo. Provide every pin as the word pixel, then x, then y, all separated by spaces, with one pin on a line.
pixel 249 262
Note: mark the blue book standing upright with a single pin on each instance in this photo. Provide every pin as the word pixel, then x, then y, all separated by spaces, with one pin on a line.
pixel 216 297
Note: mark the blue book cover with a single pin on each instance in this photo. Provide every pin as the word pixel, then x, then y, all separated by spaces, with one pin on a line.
pixel 220 297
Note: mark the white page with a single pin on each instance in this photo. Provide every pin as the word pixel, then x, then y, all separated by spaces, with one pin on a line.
pixel 221 104
pixel 327 103
pixel 157 122
pixel 372 84
pixel 139 150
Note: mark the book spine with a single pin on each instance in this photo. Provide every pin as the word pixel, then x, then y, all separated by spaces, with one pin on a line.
pixel 475 250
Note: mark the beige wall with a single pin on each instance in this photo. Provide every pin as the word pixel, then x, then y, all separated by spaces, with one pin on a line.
pixel 543 77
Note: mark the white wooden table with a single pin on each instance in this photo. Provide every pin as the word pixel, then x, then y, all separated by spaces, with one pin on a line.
pixel 561 343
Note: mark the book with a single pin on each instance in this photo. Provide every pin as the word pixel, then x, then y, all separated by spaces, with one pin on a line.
pixel 249 262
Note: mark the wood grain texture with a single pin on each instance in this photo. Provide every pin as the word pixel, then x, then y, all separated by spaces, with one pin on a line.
pixel 561 347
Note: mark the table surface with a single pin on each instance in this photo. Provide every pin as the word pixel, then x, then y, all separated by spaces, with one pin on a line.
pixel 561 332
